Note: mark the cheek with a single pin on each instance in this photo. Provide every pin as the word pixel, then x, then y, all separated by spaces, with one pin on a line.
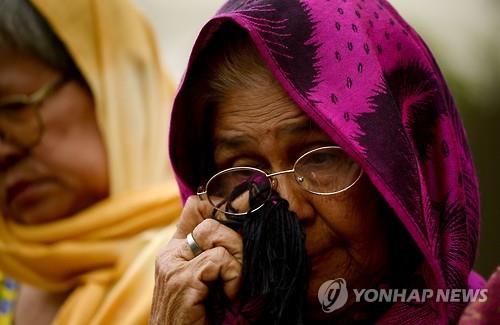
pixel 349 218
pixel 79 163
pixel 73 152
pixel 355 225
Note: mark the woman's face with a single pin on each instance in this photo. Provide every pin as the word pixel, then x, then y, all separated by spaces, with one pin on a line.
pixel 345 235
pixel 66 170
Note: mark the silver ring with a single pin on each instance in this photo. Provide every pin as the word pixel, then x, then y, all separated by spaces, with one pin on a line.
pixel 193 245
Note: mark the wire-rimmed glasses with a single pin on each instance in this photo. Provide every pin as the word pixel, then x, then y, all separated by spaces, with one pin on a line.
pixel 321 171
pixel 20 120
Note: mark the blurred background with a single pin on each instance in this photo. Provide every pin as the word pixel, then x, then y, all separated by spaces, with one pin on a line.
pixel 463 36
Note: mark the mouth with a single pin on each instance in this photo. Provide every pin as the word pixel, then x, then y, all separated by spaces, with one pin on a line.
pixel 24 191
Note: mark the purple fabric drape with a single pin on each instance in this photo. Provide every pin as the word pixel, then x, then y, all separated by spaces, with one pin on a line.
pixel 366 78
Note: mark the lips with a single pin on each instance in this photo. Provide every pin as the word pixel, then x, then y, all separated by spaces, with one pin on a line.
pixel 22 188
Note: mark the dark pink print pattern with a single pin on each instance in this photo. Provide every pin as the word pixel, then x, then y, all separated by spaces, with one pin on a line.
pixel 367 79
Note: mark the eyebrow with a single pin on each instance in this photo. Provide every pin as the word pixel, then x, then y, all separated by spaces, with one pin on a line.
pixel 231 143
pixel 305 126
pixel 235 142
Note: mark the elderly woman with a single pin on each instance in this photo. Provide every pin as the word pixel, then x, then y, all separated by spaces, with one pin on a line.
pixel 340 107
pixel 84 185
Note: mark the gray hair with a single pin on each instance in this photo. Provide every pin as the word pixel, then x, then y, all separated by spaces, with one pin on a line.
pixel 23 28
pixel 232 63
pixel 229 64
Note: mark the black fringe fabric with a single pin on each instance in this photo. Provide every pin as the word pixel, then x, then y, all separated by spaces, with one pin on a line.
pixel 275 272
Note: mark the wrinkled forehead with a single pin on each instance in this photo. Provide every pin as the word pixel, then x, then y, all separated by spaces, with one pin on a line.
pixel 245 99
pixel 259 114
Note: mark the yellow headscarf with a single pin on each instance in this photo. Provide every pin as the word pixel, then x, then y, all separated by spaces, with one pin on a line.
pixel 104 255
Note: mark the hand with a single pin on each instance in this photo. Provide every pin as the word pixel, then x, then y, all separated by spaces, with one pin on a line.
pixel 182 280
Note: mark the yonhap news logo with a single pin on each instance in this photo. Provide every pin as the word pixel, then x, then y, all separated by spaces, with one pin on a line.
pixel 333 295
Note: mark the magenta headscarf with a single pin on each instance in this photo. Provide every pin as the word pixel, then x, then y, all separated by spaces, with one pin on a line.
pixel 369 81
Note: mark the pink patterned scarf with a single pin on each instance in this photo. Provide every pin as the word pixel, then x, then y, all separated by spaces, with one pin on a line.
pixel 368 80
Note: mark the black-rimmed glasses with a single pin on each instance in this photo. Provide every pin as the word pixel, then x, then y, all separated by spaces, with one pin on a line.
pixel 20 120
pixel 321 171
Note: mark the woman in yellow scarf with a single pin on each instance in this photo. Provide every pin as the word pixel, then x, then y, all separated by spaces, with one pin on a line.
pixel 85 191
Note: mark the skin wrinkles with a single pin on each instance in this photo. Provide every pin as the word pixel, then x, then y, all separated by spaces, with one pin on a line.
pixel 241 109
pixel 234 133
pixel 345 235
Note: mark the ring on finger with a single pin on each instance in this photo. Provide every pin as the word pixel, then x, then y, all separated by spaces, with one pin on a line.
pixel 193 245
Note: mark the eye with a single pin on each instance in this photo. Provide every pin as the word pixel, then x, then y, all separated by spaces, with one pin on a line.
pixel 320 158
pixel 239 161
pixel 17 112
pixel 248 163
pixel 13 106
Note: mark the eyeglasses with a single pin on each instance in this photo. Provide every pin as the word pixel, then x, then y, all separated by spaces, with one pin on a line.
pixel 321 171
pixel 20 120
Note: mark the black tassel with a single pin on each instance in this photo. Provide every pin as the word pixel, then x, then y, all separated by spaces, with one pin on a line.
pixel 275 271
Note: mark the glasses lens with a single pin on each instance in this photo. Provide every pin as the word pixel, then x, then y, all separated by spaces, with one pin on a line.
pixel 239 191
pixel 19 124
pixel 326 170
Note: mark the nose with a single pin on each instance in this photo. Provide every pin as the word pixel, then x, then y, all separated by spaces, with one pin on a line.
pixel 9 153
pixel 291 191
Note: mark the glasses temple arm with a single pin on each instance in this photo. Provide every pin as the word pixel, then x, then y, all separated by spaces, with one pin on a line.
pixel 281 172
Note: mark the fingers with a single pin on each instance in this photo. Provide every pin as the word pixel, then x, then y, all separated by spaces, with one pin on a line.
pixel 218 263
pixel 222 255
pixel 178 296
pixel 181 287
pixel 182 280
pixel 211 233
pixel 194 212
